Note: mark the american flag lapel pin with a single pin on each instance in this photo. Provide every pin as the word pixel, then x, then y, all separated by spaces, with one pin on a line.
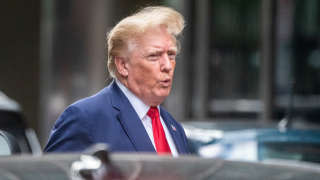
pixel 173 127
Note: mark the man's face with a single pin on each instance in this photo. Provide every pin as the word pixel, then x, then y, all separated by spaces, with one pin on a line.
pixel 151 66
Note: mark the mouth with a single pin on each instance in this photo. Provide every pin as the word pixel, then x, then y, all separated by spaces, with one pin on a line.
pixel 165 83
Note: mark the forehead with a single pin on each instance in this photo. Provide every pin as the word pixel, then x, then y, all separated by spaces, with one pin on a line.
pixel 156 38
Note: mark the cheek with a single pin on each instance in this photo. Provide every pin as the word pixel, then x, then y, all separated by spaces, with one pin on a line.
pixel 143 74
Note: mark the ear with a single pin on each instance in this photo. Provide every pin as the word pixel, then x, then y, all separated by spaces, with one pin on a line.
pixel 121 65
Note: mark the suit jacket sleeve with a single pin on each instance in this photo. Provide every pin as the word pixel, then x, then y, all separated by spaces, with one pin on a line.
pixel 71 132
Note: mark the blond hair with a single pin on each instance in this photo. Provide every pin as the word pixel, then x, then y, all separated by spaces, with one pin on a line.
pixel 132 26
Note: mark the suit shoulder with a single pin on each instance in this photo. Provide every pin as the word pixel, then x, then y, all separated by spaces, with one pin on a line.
pixel 100 99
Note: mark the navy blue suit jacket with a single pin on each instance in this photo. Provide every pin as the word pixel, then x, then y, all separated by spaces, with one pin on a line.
pixel 108 117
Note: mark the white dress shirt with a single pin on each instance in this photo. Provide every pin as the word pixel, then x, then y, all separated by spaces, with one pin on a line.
pixel 142 110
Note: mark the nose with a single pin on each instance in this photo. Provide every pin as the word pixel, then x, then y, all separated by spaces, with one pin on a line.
pixel 166 64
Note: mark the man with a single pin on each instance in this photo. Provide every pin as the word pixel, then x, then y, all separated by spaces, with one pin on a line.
pixel 127 114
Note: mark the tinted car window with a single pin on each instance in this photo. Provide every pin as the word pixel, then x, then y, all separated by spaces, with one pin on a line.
pixel 4 146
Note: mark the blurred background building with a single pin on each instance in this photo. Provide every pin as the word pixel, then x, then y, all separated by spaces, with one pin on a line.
pixel 243 60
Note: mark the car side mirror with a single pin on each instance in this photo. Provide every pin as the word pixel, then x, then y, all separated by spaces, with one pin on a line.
pixel 95 164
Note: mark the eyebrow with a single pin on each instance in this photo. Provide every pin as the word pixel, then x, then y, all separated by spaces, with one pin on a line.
pixel 156 49
pixel 173 49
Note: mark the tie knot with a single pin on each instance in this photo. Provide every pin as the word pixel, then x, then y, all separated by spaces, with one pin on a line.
pixel 153 112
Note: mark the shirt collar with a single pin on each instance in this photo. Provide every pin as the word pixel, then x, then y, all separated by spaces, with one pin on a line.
pixel 138 105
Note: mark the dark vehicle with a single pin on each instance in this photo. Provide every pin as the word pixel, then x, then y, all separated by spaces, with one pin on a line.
pixel 98 164
pixel 253 143
pixel 15 135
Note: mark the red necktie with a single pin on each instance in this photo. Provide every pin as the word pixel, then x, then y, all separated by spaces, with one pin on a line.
pixel 159 136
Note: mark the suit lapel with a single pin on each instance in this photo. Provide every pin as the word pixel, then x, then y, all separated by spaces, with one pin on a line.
pixel 173 130
pixel 130 121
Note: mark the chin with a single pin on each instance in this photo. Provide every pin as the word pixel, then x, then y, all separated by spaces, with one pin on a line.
pixel 163 94
pixel 159 98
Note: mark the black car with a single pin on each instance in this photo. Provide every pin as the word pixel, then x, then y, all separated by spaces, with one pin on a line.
pixel 15 135
pixel 98 164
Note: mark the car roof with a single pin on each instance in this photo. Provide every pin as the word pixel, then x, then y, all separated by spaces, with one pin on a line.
pixel 8 104
pixel 151 166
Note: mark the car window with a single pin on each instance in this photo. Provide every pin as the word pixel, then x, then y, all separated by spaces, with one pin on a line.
pixel 4 146
pixel 305 151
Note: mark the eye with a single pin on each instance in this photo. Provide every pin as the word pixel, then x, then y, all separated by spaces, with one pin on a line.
pixel 172 55
pixel 154 56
